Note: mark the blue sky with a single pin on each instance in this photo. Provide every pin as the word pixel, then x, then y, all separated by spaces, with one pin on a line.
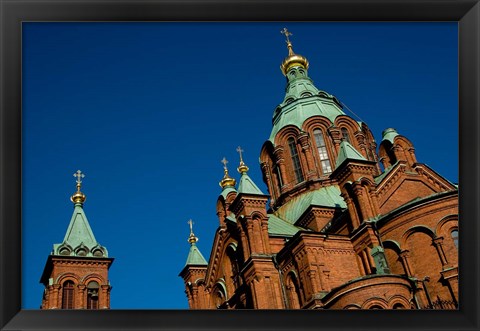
pixel 148 110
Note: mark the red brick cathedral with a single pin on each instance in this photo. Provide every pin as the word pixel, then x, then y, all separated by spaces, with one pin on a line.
pixel 343 226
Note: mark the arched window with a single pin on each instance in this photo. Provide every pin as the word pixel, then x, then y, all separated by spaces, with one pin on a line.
pixel 454 235
pixel 68 295
pixel 232 256
pixel 297 169
pixel 322 151
pixel 293 291
pixel 279 177
pixel 376 307
pixel 398 306
pixel 345 135
pixel 92 295
pixel 219 297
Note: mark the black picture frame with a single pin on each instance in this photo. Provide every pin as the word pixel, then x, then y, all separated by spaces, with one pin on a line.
pixel 14 12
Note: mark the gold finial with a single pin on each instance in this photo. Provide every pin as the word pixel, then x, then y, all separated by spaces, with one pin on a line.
pixel 292 59
pixel 78 197
pixel 227 180
pixel 242 168
pixel 191 239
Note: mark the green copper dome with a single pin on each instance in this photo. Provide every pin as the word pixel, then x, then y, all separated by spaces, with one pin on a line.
pixel 389 134
pixel 302 101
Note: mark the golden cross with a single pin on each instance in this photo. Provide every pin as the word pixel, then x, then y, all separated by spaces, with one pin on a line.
pixel 287 34
pixel 79 176
pixel 191 225
pixel 224 161
pixel 240 150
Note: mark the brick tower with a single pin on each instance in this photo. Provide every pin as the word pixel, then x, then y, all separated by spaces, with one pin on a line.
pixel 76 272
pixel 343 226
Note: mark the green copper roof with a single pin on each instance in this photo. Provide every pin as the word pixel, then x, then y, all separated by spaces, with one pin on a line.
pixel 347 151
pixel 246 185
pixel 389 134
pixel 298 111
pixel 328 196
pixel 79 239
pixel 277 226
pixel 195 257
pixel 227 190
pixel 302 101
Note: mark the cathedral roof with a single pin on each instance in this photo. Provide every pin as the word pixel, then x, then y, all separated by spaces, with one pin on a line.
pixel 246 185
pixel 299 110
pixel 302 99
pixel 226 190
pixel 195 257
pixel 347 151
pixel 277 226
pixel 328 196
pixel 79 239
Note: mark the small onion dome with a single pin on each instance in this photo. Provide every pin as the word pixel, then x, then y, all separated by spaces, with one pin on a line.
pixel 78 197
pixel 242 168
pixel 192 239
pixel 293 60
pixel 227 180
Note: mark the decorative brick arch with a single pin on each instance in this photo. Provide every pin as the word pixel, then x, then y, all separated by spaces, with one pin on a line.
pixel 367 181
pixel 344 121
pixel 199 281
pixel 287 165
pixel 418 228
pixel 352 306
pixel 352 127
pixel 315 122
pixel 375 301
pixel 385 154
pixel 256 215
pixel 271 175
pixel 446 225
pixel 406 152
pixel 219 293
pixel 392 254
pixel 397 300
pixel 96 277
pixel 68 276
pixel 392 244
pixel 294 294
pixel 231 266
pixel 285 133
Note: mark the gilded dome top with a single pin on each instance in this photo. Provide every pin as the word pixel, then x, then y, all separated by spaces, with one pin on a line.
pixel 292 59
pixel 227 181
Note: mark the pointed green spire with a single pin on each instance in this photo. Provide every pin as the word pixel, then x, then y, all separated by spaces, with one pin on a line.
pixel 79 239
pixel 347 151
pixel 194 255
pixel 246 184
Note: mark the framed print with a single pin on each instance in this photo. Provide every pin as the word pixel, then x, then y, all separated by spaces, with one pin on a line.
pixel 150 101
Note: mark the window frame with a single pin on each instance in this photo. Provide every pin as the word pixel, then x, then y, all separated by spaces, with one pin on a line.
pixel 296 162
pixel 323 161
pixel 68 294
